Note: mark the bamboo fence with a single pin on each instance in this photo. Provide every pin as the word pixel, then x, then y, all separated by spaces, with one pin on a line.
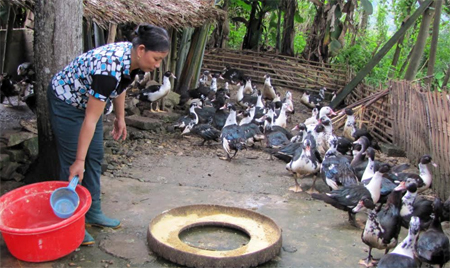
pixel 284 71
pixel 416 120
pixel 421 127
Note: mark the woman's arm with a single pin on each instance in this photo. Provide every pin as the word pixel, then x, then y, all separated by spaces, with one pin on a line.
pixel 94 110
pixel 120 128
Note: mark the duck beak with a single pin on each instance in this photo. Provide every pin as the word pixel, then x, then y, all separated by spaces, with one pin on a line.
pixel 295 128
pixel 173 76
pixel 358 207
pixel 341 113
pixel 401 186
pixel 332 112
pixel 434 164
pixel 186 130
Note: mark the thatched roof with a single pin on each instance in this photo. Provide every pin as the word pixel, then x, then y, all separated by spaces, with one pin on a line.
pixel 165 13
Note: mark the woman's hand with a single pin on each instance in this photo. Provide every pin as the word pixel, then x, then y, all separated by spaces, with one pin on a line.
pixel 119 130
pixel 77 168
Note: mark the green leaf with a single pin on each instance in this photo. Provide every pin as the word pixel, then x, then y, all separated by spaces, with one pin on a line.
pixel 367 6
pixel 298 18
pixel 335 46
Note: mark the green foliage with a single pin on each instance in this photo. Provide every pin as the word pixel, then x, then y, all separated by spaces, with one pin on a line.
pixel 237 33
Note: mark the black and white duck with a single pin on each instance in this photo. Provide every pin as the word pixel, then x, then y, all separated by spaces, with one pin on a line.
pixel 423 180
pixel 232 135
pixel 205 131
pixel 325 111
pixel 220 116
pixel 232 75
pixel 306 164
pixel 387 186
pixel 403 254
pixel 184 120
pixel 433 245
pixel 294 147
pixel 156 92
pixel 248 88
pixel 414 205
pixel 383 225
pixel 336 170
pixel 268 92
pixel 347 198
pixel 314 119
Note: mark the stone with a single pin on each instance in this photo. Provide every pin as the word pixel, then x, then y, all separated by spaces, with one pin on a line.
pixel 31 147
pixel 392 150
pixel 17 155
pixel 172 99
pixel 143 123
pixel 9 168
pixel 17 138
pixel 4 159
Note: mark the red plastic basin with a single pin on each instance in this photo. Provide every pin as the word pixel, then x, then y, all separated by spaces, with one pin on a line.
pixel 32 232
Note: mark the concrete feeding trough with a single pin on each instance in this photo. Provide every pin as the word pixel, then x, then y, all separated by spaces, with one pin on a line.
pixel 257 238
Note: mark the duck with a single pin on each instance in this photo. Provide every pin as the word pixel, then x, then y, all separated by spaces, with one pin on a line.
pixel 348 197
pixel 414 205
pixel 336 170
pixel 290 103
pixel 307 163
pixel 382 226
pixel 156 92
pixel 313 120
pixel 8 89
pixel 248 89
pixel 423 180
pixel 184 120
pixel 433 245
pixel 281 120
pixel 363 131
pixel 403 253
pixel 232 135
pixel 324 111
pixel 205 131
pixel 268 92
pixel 387 186
pixel 252 133
pixel 350 125
pixel 277 101
pixel 232 75
pixel 220 116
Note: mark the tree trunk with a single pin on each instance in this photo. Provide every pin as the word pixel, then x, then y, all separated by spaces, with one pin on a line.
pixel 287 47
pixel 57 40
pixel 446 78
pixel 278 41
pixel 434 41
pixel 192 65
pixel 314 50
pixel 6 54
pixel 254 31
pixel 419 47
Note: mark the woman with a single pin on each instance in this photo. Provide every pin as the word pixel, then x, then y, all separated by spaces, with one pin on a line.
pixel 77 96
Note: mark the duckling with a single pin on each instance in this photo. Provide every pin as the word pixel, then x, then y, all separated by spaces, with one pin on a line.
pixel 403 253
pixel 306 164
pixel 268 92
pixel 156 92
pixel 433 246
pixel 382 226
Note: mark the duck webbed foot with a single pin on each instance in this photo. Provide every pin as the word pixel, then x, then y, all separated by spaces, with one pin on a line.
pixel 296 188
pixel 369 261
pixel 313 187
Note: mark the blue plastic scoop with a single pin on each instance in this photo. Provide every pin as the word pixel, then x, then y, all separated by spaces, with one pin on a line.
pixel 65 200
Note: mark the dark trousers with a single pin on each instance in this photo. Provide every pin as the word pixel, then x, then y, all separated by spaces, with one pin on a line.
pixel 66 123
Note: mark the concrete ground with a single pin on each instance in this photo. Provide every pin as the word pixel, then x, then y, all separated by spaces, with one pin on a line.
pixel 314 234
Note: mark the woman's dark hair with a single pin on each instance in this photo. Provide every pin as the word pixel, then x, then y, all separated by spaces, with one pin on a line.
pixel 154 38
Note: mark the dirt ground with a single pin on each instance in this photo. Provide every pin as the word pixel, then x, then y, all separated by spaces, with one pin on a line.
pixel 166 170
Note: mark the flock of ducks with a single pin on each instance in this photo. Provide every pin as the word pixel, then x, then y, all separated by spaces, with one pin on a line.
pixel 356 180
